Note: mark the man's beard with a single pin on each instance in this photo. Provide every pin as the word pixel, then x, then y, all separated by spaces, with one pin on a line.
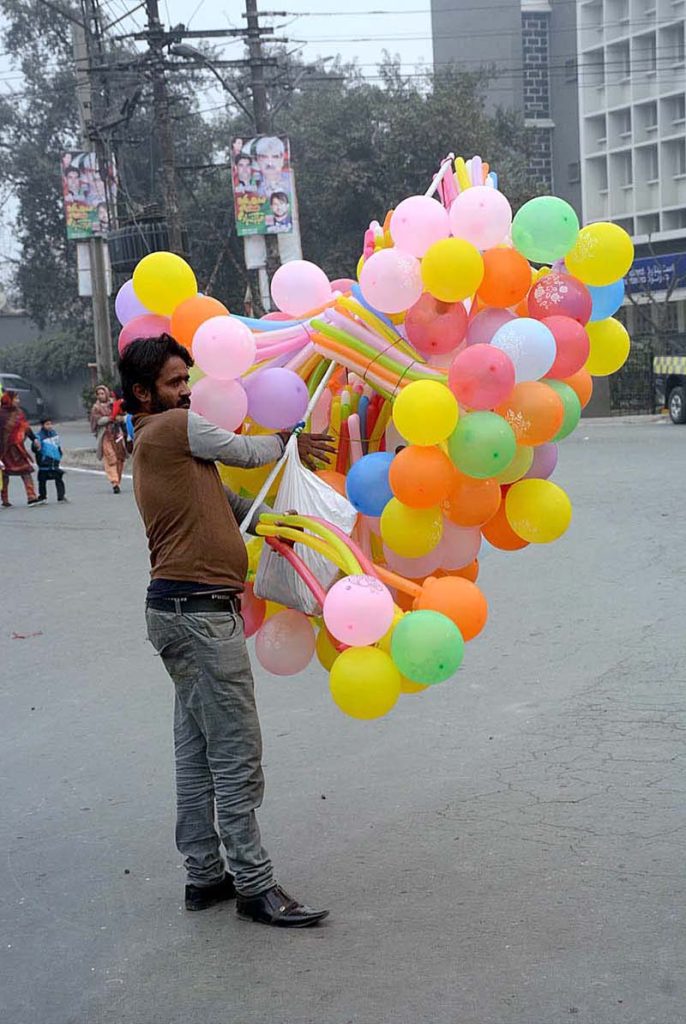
pixel 158 405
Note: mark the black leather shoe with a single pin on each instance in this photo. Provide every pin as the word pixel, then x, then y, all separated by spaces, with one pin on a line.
pixel 277 908
pixel 200 897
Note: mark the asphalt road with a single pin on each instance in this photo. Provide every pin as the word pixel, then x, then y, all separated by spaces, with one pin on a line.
pixel 506 848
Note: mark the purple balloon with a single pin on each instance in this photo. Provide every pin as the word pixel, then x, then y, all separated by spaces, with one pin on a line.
pixel 481 329
pixel 277 398
pixel 127 305
pixel 545 461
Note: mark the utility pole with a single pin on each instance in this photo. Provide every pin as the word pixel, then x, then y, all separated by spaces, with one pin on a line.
pixel 157 40
pixel 96 245
pixel 261 117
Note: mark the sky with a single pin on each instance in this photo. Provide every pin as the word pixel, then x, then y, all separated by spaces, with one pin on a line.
pixel 357 30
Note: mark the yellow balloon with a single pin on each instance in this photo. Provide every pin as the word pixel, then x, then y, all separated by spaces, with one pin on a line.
pixel 273 608
pixel 538 510
pixel 521 464
pixel 602 253
pixel 364 682
pixel 162 280
pixel 425 412
pixel 254 548
pixel 247 482
pixel 610 346
pixel 411 532
pixel 452 269
pixel 360 264
pixel 325 650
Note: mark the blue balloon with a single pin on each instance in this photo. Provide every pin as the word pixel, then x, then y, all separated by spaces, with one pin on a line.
pixel 606 299
pixel 367 483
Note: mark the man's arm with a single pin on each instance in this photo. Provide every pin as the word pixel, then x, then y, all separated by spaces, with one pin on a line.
pixel 216 445
pixel 241 506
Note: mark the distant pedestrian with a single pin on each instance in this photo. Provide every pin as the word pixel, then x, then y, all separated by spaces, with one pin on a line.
pixel 48 457
pixel 14 429
pixel 106 424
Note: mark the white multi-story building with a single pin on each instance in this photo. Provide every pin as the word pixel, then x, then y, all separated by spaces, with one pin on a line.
pixel 632 106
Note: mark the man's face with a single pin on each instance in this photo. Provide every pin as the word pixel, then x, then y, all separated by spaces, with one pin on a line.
pixel 171 389
pixel 73 181
pixel 270 161
pixel 244 171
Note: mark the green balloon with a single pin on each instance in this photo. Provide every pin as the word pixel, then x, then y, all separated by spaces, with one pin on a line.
pixel 545 229
pixel 427 647
pixel 572 405
pixel 483 444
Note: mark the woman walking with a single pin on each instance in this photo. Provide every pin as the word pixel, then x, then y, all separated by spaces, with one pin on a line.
pixel 107 427
pixel 14 428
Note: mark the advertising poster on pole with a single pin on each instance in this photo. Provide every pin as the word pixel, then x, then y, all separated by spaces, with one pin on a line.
pixel 85 196
pixel 263 188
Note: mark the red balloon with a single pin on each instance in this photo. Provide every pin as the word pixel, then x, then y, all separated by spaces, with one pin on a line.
pixel 572 343
pixel 481 377
pixel 435 327
pixel 559 294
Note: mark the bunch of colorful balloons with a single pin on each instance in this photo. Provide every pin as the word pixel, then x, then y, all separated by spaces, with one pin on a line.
pixel 463 354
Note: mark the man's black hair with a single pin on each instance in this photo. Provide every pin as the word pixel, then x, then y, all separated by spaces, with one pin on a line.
pixel 46 419
pixel 242 156
pixel 142 364
pixel 279 195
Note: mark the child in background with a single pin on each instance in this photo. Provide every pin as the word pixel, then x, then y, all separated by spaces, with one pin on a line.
pixel 48 459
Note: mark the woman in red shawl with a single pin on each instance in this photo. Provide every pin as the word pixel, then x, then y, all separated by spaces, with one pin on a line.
pixel 14 427
pixel 106 424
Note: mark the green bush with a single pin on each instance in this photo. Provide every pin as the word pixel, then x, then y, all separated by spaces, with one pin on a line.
pixel 55 357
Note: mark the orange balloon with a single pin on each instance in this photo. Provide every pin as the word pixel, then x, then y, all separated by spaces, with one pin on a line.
pixel 507 278
pixel 469 572
pixel 405 601
pixel 192 312
pixel 471 502
pixel 534 411
pixel 582 383
pixel 421 477
pixel 333 479
pixel 500 534
pixel 459 600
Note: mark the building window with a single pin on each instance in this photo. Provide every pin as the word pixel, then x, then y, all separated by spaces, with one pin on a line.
pixel 625 170
pixel 574 173
pixel 571 70
pixel 651 166
pixel 679 49
pixel 624 124
pixel 649 56
pixel 651 117
pixel 680 159
pixel 678 111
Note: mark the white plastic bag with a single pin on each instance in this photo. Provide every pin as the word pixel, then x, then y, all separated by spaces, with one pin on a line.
pixel 307 494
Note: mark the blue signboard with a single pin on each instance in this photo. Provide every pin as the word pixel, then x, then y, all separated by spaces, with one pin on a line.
pixel 657 273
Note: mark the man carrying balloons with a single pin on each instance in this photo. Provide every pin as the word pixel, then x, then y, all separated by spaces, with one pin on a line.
pixel 198 566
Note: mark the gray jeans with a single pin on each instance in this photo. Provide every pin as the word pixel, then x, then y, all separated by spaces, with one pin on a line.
pixel 217 746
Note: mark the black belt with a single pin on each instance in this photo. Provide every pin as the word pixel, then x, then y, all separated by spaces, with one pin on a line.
pixel 196 603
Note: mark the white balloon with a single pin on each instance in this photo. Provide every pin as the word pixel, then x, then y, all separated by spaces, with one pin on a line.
pixel 529 344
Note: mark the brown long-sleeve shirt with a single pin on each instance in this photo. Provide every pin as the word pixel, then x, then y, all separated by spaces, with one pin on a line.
pixel 192 528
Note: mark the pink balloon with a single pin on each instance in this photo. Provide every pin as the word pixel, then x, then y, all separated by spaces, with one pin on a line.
pixel 545 461
pixel 275 316
pixel 299 287
pixel 321 413
pixel 412 568
pixel 481 215
pixel 459 545
pixel 277 397
pixel 417 223
pixel 127 305
pixel 558 294
pixel 224 348
pixel 484 325
pixel 343 284
pixel 149 325
pixel 435 327
pixel 223 402
pixel 284 644
pixel 481 377
pixel 573 345
pixel 252 610
pixel 358 610
pixel 391 280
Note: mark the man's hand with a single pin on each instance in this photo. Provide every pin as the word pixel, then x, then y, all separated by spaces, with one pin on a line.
pixel 314 448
